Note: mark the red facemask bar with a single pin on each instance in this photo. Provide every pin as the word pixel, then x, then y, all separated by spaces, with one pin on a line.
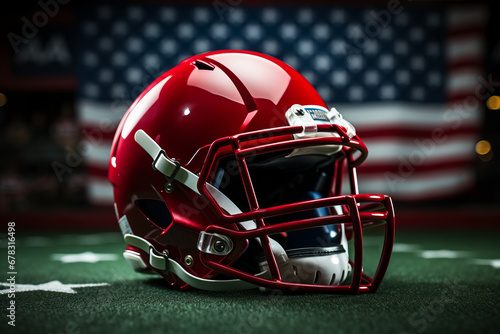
pixel 354 152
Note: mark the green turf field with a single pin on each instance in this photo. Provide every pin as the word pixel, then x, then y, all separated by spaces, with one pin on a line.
pixel 438 282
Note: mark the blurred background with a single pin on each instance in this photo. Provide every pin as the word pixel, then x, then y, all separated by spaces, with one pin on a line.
pixel 419 80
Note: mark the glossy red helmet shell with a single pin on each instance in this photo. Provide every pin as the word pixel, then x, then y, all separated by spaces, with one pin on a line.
pixel 210 107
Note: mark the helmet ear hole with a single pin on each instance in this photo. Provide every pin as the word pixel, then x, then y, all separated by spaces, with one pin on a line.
pixel 155 211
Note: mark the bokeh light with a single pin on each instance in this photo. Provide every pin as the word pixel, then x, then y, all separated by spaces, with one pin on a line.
pixel 483 147
pixel 3 99
pixel 493 102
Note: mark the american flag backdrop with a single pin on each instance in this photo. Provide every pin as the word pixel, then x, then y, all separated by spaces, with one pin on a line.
pixel 409 80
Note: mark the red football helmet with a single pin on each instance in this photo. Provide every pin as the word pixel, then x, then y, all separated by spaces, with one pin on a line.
pixel 227 174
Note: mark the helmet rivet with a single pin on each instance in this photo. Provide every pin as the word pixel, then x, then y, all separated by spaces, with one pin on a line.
pixel 169 187
pixel 299 112
pixel 219 246
pixel 188 260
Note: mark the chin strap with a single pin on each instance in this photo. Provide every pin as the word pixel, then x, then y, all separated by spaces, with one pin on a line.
pixel 167 166
pixel 160 261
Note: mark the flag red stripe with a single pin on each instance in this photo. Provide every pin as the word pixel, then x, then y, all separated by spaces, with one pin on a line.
pixel 471 28
pixel 405 167
pixel 471 61
pixel 92 132
pixel 417 133
pixel 97 171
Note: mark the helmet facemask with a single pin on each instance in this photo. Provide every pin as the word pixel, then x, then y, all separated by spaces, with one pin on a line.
pixel 311 256
pixel 291 206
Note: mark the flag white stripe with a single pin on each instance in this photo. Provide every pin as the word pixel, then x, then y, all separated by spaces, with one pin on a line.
pixel 463 80
pixel 464 47
pixel 414 115
pixel 465 15
pixel 100 191
pixel 418 185
pixel 97 113
pixel 419 151
pixel 98 155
